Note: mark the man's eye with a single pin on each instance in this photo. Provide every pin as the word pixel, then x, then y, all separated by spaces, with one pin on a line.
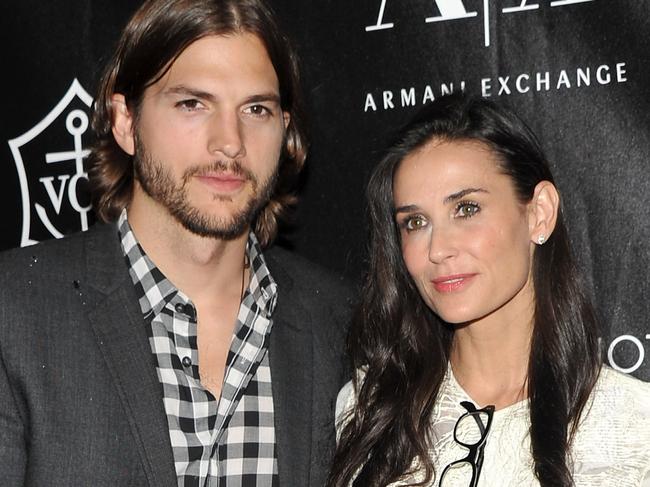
pixel 258 110
pixel 467 209
pixel 189 105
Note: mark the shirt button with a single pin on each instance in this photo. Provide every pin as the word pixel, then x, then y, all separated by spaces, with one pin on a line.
pixel 186 361
pixel 189 311
pixel 186 309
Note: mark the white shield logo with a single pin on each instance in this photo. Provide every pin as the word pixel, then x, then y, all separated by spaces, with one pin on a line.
pixel 53 201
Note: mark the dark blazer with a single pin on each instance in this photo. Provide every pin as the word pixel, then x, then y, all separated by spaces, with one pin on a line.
pixel 80 401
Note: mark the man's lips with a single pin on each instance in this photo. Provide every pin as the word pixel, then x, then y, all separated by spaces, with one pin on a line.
pixel 223 182
pixel 451 283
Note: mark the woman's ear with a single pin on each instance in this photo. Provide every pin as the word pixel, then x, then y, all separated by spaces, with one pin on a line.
pixel 122 124
pixel 542 212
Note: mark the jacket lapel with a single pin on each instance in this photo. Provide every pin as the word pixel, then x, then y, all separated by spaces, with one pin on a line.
pixel 290 357
pixel 116 319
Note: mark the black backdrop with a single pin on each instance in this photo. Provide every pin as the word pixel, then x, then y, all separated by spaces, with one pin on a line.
pixel 577 70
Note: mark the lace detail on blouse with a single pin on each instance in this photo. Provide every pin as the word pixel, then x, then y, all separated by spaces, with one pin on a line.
pixel 611 447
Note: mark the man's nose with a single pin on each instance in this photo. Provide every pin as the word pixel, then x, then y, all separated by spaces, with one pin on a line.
pixel 226 136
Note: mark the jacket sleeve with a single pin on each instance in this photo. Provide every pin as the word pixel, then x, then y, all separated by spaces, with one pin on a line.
pixel 13 449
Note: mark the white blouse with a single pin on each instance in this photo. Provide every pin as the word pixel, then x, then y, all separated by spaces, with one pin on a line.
pixel 611 446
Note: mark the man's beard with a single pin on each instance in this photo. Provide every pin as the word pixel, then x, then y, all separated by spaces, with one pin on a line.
pixel 157 181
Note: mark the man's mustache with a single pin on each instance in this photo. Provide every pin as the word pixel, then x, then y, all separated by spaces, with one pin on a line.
pixel 231 167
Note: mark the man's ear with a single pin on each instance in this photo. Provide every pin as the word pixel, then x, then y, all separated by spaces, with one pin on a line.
pixel 122 124
pixel 287 118
pixel 543 209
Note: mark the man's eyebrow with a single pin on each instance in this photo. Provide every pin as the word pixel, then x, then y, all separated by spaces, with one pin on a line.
pixel 204 95
pixel 463 192
pixel 187 91
pixel 264 97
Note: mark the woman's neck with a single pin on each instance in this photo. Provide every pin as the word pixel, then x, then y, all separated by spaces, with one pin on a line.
pixel 489 359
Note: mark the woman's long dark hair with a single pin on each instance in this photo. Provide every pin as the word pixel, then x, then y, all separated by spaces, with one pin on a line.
pixel 404 347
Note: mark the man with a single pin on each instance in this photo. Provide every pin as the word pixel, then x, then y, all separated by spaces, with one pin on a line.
pixel 164 347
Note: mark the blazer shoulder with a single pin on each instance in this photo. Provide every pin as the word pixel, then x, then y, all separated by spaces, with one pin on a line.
pixel 302 275
pixel 56 256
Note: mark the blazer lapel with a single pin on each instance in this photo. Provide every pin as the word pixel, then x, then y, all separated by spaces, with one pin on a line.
pixel 115 316
pixel 290 357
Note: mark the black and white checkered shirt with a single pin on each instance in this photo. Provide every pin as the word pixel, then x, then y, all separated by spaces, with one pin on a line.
pixel 229 442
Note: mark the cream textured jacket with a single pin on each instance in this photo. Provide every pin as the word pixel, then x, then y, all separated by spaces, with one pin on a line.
pixel 611 447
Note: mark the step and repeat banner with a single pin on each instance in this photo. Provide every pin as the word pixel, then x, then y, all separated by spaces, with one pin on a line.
pixel 577 70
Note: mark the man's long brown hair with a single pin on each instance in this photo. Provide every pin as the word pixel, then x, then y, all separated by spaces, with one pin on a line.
pixel 153 39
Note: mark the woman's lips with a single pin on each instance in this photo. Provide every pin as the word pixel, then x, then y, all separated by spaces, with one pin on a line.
pixel 448 284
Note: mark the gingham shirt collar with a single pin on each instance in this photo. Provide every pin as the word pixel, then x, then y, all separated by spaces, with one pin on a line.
pixel 157 290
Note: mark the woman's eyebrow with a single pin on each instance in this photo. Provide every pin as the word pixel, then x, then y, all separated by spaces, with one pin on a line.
pixel 463 192
pixel 406 209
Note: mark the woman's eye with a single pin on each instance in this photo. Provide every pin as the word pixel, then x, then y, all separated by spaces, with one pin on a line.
pixel 414 223
pixel 467 209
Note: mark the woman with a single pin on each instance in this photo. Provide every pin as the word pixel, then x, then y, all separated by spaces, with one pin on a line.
pixel 477 349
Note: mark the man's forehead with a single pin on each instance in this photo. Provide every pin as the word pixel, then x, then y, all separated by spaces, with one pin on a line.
pixel 241 56
pixel 214 47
